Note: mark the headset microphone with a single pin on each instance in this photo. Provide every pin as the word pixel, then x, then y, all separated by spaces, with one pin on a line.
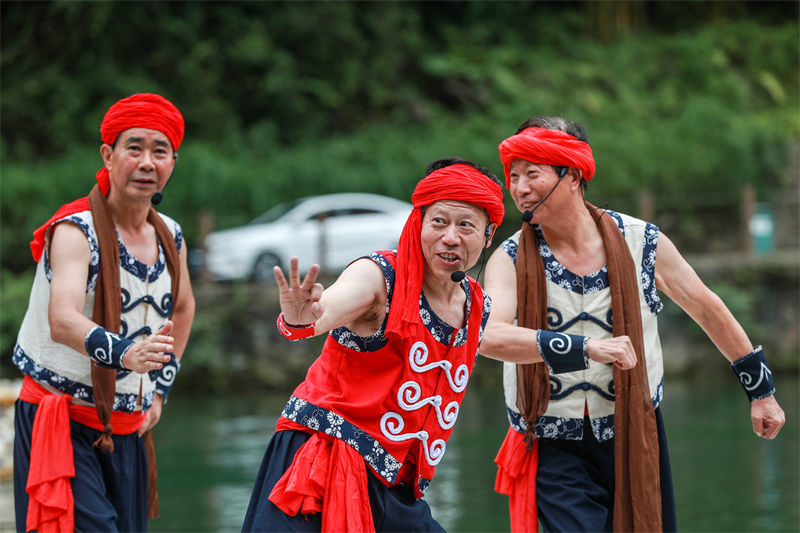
pixel 527 215
pixel 458 275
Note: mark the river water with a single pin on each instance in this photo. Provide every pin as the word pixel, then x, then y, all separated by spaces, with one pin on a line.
pixel 726 479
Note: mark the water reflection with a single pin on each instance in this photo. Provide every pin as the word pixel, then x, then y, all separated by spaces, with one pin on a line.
pixel 726 479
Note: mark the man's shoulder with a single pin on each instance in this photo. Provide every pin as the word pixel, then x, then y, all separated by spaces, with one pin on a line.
pixel 171 223
pixel 628 220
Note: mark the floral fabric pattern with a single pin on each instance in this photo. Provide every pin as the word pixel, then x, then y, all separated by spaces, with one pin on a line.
pixel 319 419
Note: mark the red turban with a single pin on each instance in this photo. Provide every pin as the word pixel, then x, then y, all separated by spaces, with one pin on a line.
pixel 144 110
pixel 547 147
pixel 455 182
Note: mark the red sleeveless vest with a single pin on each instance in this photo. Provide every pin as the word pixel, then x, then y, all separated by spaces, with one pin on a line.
pixel 396 403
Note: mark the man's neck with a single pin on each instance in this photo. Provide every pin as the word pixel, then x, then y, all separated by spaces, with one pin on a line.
pixel 576 242
pixel 129 216
pixel 446 298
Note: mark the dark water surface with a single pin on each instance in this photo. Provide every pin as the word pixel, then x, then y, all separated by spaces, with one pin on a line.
pixel 726 479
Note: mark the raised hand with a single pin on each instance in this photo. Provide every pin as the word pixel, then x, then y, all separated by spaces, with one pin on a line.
pixel 150 354
pixel 299 301
pixel 616 350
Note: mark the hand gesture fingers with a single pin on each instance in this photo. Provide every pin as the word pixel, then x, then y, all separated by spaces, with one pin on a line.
pixel 150 354
pixel 299 301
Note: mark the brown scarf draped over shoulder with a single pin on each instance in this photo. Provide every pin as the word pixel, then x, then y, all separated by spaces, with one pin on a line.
pixel 107 313
pixel 637 496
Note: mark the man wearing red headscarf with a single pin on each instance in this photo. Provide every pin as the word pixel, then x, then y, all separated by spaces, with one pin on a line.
pixel 574 317
pixel 100 345
pixel 359 440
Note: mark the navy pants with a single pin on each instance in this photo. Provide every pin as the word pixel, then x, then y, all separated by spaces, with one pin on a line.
pixel 109 489
pixel 393 508
pixel 575 483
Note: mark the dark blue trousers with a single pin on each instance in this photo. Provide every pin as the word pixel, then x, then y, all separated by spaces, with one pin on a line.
pixel 109 489
pixel 575 483
pixel 393 508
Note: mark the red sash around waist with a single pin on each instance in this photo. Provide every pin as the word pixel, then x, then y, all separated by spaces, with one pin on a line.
pixel 50 504
pixel 327 476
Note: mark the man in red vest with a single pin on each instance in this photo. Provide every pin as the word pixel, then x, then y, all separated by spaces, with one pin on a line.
pixel 359 440
pixel 109 317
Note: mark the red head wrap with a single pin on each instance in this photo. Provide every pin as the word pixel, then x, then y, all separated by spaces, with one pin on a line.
pixel 547 147
pixel 144 110
pixel 455 182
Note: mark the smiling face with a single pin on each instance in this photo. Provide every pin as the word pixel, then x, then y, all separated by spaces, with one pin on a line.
pixel 530 183
pixel 452 237
pixel 139 164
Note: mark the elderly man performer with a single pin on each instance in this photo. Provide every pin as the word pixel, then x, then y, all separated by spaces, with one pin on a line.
pixel 575 306
pixel 359 440
pixel 109 317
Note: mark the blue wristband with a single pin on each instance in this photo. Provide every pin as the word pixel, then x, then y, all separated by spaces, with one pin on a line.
pixel 106 348
pixel 754 374
pixel 563 352
pixel 165 376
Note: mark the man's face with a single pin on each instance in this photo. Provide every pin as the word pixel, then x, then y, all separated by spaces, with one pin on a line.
pixel 139 164
pixel 529 184
pixel 452 237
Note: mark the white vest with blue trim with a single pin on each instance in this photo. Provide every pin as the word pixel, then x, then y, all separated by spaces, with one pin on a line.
pixel 581 305
pixel 146 303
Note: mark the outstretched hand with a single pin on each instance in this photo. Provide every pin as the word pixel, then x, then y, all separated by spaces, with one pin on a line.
pixel 150 354
pixel 299 301
pixel 616 350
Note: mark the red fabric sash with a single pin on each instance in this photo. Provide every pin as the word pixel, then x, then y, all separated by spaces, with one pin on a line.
pixel 516 478
pixel 327 476
pixel 50 504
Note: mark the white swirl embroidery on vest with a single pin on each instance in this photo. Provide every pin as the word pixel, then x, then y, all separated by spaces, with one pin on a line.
pixel 419 354
pixel 408 396
pixel 392 427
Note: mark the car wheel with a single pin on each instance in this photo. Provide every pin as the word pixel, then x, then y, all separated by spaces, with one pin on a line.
pixel 262 268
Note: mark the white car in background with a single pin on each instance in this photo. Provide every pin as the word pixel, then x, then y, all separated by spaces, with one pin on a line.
pixel 331 230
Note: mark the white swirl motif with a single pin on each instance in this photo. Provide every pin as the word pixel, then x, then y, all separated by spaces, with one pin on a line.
pixel 408 396
pixel 560 344
pixel 168 374
pixel 436 451
pixel 392 426
pixel 747 378
pixel 419 354
pixel 105 356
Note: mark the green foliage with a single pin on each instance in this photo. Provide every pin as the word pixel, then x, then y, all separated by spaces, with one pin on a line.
pixel 286 99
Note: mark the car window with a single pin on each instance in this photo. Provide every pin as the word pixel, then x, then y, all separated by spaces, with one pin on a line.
pixel 330 213
pixel 275 213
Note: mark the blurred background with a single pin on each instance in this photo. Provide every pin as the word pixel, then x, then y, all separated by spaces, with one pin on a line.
pixel 693 114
